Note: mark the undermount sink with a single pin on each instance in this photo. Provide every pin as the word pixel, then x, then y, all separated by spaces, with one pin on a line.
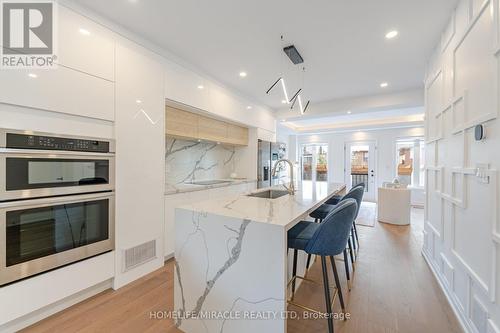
pixel 269 194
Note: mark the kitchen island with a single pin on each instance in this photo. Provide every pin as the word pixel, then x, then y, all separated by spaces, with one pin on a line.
pixel 231 268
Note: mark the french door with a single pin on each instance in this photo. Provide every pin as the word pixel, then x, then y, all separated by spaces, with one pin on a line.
pixel 360 160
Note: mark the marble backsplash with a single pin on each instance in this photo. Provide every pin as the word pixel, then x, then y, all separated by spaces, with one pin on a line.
pixel 192 160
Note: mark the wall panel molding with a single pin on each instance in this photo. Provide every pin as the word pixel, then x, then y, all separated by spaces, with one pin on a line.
pixel 468 58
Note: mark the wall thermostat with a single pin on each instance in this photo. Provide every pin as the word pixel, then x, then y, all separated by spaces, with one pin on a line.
pixel 479 133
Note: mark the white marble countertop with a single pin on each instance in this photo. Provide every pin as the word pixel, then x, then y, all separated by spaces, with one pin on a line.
pixel 285 211
pixel 185 187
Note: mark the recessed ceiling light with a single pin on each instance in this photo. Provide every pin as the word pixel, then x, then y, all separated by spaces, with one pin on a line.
pixel 384 85
pixel 249 107
pixel 283 120
pixel 201 87
pixel 138 101
pixel 33 75
pixel 283 101
pixel 391 34
pixel 349 112
pixel 84 31
pixel 243 74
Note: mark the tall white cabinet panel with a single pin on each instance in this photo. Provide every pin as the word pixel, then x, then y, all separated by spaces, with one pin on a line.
pixel 61 90
pixel 140 157
pixel 85 45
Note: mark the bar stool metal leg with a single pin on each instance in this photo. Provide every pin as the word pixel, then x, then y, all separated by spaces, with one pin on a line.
pixel 353 240
pixel 350 252
pixel 337 283
pixel 346 264
pixel 308 261
pixel 356 232
pixel 294 271
pixel 327 295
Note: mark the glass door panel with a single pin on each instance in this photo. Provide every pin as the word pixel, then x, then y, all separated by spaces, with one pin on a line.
pixel 360 167
pixel 314 162
pixel 34 233
pixel 32 173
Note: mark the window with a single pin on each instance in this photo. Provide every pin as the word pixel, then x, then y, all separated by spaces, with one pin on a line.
pixel 410 161
pixel 315 162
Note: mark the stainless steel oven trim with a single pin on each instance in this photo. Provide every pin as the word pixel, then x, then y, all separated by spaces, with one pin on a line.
pixel 26 269
pixel 4 131
pixel 44 192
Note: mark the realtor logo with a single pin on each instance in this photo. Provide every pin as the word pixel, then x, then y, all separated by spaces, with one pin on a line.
pixel 27 34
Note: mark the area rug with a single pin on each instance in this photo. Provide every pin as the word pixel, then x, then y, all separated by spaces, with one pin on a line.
pixel 367 214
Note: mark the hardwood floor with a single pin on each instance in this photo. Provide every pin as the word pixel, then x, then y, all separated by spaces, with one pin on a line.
pixel 393 291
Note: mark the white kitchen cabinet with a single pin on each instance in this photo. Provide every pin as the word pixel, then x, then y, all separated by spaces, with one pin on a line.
pixel 184 86
pixel 140 157
pixel 85 45
pixel 60 90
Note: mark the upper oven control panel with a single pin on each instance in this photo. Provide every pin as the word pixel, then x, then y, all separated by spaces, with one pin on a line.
pixel 44 142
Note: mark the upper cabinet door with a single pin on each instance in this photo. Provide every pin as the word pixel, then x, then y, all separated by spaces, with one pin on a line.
pixel 212 129
pixel 85 45
pixel 237 135
pixel 184 86
pixel 61 90
pixel 181 123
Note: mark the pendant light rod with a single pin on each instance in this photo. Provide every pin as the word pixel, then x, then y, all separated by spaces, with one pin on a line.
pixel 274 84
pixel 307 105
pixel 293 103
pixel 284 90
pixel 300 105
pixel 296 94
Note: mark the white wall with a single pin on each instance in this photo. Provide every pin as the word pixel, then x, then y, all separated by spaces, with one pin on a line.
pixel 461 237
pixel 386 149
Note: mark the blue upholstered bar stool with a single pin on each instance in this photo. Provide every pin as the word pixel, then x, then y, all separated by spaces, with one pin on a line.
pixel 320 213
pixel 336 199
pixel 326 239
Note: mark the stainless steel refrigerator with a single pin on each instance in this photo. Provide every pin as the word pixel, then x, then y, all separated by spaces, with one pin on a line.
pixel 269 153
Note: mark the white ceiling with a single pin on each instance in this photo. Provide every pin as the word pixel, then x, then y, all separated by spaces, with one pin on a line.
pixel 341 41
pixel 359 120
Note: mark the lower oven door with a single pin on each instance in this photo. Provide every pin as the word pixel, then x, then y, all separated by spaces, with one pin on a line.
pixel 43 234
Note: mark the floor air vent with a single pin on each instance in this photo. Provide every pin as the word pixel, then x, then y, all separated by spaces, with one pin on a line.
pixel 139 255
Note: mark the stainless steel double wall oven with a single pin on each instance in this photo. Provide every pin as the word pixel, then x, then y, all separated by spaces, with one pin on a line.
pixel 56 201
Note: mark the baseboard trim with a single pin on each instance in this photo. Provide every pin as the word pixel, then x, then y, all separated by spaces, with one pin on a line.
pixel 462 319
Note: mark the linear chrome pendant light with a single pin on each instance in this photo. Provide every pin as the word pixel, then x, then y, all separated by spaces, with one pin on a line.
pixel 295 57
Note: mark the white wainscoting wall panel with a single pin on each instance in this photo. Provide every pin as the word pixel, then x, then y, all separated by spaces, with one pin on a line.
pixel 461 237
